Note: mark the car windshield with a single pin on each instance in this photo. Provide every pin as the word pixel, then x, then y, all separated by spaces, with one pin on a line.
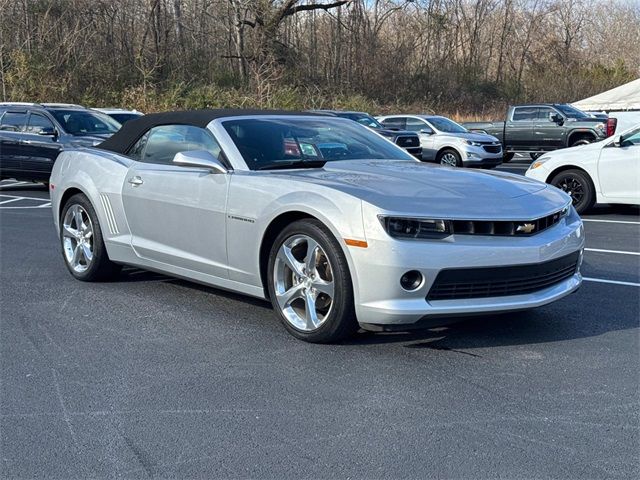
pixel 571 112
pixel 84 122
pixel 267 143
pixel 362 119
pixel 445 125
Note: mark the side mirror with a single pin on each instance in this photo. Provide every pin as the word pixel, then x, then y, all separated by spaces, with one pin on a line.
pixel 201 159
pixel 617 141
pixel 48 131
pixel 556 118
pixel 426 131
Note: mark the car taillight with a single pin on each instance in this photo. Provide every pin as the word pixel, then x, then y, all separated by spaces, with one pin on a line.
pixel 612 123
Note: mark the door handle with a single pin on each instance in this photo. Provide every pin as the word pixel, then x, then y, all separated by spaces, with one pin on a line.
pixel 135 181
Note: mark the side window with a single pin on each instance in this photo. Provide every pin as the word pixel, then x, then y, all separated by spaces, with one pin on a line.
pixel 136 151
pixel 160 144
pixel 632 138
pixel 525 114
pixel 39 122
pixel 544 112
pixel 395 122
pixel 14 121
pixel 416 125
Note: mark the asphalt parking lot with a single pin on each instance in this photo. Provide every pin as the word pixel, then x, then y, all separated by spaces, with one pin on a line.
pixel 155 377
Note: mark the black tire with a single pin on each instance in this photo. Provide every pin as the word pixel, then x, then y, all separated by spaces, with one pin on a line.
pixel 100 267
pixel 579 186
pixel 581 140
pixel 535 155
pixel 449 153
pixel 507 157
pixel 340 323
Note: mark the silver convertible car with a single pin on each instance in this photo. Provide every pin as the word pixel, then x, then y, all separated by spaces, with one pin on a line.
pixel 337 226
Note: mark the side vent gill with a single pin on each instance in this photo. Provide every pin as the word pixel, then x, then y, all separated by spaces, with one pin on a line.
pixel 108 211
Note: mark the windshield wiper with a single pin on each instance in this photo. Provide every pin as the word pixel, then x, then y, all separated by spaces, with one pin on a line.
pixel 293 164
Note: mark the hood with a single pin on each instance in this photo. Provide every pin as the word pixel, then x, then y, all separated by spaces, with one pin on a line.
pixel 474 137
pixel 423 189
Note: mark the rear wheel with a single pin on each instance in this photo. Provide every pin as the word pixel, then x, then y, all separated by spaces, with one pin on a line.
pixel 450 158
pixel 578 186
pixel 82 244
pixel 535 155
pixel 310 285
pixel 582 140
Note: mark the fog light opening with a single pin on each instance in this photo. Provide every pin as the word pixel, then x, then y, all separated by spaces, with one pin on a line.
pixel 411 280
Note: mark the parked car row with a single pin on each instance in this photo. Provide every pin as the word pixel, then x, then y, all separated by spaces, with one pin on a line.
pixel 541 128
pixel 32 136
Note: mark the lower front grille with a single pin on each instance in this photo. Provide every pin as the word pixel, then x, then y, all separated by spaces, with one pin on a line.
pixel 461 283
pixel 492 148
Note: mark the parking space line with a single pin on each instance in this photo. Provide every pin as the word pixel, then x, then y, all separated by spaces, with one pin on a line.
pixel 601 250
pixel 11 200
pixel 614 282
pixel 626 222
pixel 3 185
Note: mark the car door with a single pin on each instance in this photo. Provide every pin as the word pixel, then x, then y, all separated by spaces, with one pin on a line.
pixel 426 134
pixel 519 128
pixel 547 134
pixel 40 147
pixel 12 126
pixel 619 168
pixel 177 214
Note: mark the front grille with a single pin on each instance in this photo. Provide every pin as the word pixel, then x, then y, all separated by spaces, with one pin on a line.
pixel 461 283
pixel 492 148
pixel 502 227
pixel 408 141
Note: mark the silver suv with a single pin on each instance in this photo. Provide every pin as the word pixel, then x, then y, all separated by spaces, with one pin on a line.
pixel 446 142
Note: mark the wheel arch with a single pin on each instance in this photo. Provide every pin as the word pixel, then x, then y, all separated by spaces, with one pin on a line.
pixel 582 133
pixel 66 195
pixel 273 229
pixel 449 147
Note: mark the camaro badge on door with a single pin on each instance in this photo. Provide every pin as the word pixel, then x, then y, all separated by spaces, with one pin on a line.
pixel 526 228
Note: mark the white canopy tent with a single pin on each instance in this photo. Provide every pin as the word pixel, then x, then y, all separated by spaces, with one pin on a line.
pixel 623 98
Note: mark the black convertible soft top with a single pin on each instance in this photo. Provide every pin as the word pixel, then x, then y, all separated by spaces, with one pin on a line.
pixel 123 139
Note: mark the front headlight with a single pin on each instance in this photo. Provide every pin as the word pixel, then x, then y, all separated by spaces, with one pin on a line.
pixel 475 144
pixel 408 228
pixel 538 163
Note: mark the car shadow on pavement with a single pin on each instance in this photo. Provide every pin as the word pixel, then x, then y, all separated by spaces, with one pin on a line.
pixel 507 329
pixel 546 324
pixel 631 210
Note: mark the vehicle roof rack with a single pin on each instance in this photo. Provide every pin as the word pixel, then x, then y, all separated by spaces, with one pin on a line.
pixel 62 105
pixel 20 104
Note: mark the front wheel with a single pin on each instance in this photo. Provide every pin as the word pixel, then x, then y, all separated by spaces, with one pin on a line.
pixel 578 186
pixel 310 285
pixel 83 248
pixel 450 158
pixel 507 157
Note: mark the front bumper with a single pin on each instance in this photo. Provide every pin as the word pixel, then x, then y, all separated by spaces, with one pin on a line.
pixel 380 300
pixel 474 156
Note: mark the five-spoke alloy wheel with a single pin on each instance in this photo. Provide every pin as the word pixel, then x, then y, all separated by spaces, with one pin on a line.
pixel 309 283
pixel 82 244
pixel 77 238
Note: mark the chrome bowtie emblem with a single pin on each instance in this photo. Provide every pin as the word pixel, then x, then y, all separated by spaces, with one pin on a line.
pixel 526 228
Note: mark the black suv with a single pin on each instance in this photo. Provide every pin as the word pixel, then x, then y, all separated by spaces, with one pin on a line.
pixel 32 135
pixel 410 141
